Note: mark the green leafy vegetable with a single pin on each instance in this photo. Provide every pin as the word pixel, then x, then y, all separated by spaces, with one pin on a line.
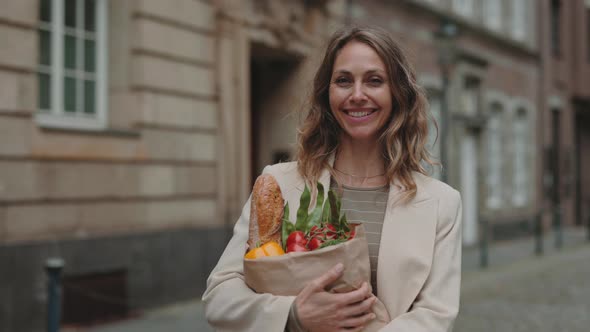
pixel 334 208
pixel 316 215
pixel 333 242
pixel 302 212
pixel 325 217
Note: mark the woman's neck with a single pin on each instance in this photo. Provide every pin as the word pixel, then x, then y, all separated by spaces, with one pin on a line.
pixel 360 164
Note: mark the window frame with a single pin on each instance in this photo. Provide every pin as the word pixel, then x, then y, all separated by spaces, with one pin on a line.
pixel 462 10
pixel 492 14
pixel 494 179
pixel 55 116
pixel 519 28
pixel 520 126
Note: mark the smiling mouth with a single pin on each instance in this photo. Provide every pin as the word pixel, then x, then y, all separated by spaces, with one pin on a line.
pixel 359 114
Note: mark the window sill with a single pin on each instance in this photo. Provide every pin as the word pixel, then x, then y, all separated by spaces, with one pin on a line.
pixel 106 132
pixel 82 126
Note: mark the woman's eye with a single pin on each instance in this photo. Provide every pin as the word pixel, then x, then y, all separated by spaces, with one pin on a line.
pixel 342 81
pixel 375 81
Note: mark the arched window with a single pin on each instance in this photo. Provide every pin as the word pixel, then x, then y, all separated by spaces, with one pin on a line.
pixel 519 160
pixel 495 157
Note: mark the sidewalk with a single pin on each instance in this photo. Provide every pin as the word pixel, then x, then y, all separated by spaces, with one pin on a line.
pixel 508 261
pixel 179 317
pixel 541 294
pixel 507 252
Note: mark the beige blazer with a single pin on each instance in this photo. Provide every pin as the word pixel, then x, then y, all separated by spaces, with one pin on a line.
pixel 419 264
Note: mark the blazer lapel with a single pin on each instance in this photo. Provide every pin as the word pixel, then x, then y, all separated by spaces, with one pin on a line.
pixel 406 249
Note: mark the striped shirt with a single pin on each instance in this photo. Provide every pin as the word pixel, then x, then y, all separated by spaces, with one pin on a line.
pixel 366 206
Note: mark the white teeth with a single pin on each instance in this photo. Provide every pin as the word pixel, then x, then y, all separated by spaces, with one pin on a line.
pixel 359 114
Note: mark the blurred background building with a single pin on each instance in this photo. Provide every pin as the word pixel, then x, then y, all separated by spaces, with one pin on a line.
pixel 131 131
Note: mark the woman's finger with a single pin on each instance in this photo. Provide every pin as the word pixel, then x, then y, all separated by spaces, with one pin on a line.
pixel 357 309
pixel 357 295
pixel 356 329
pixel 356 322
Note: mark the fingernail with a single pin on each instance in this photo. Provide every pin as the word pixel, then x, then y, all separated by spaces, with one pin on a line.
pixel 373 316
pixel 339 267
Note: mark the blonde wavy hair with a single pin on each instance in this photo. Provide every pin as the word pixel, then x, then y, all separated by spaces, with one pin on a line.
pixel 403 139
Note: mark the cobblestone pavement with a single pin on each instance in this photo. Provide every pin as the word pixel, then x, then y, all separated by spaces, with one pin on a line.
pixel 551 293
pixel 179 317
pixel 518 292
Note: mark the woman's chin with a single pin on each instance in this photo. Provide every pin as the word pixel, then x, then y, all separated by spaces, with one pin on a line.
pixel 362 136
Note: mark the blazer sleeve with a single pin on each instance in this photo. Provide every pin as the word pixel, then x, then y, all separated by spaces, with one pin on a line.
pixel 437 304
pixel 230 305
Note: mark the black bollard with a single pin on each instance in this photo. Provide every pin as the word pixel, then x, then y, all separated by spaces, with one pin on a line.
pixel 53 267
pixel 483 244
pixel 558 227
pixel 538 234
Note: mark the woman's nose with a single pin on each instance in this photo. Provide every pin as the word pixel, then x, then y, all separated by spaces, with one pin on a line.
pixel 358 94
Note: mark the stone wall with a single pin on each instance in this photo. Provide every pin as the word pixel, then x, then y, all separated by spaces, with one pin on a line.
pixel 146 185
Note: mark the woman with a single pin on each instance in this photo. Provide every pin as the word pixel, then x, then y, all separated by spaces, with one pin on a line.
pixel 365 134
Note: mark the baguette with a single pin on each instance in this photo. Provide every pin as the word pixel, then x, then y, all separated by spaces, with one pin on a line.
pixel 266 212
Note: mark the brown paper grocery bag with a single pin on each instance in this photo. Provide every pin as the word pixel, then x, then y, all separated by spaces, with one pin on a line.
pixel 288 274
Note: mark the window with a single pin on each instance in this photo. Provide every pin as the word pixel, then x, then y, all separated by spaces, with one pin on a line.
pixel 555 21
pixel 433 143
pixel 493 14
pixel 72 63
pixel 463 7
pixel 519 19
pixel 495 157
pixel 470 96
pixel 519 173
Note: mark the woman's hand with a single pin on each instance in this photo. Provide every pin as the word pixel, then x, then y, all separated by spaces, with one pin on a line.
pixel 319 310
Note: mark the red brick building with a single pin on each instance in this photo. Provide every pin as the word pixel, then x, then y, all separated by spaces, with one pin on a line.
pixel 565 122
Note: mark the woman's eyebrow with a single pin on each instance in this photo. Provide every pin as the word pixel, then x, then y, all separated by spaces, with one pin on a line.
pixel 368 72
pixel 375 71
pixel 342 71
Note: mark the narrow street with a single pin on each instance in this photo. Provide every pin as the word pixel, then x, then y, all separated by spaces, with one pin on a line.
pixel 551 293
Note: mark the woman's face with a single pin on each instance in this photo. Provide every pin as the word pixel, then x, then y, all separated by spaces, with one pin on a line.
pixel 360 94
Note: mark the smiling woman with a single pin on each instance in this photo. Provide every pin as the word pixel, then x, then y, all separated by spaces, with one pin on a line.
pixel 366 102
pixel 365 133
pixel 360 96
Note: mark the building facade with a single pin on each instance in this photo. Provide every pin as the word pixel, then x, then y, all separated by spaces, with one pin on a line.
pixel 131 131
pixel 486 87
pixel 125 142
pixel 565 125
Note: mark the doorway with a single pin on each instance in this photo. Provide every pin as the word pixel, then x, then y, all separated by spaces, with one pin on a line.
pixel 273 100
